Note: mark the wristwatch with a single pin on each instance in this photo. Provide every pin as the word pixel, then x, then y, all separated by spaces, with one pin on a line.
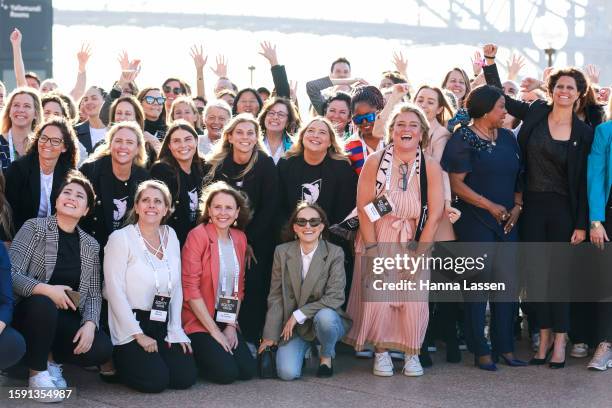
pixel 595 224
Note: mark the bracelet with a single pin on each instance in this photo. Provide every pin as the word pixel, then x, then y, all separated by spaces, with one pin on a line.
pixel 489 57
pixel 370 246
pixel 519 205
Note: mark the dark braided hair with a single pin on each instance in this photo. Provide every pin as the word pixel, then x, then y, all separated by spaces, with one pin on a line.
pixel 369 94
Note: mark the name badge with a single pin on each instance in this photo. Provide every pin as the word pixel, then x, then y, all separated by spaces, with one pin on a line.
pixel 227 310
pixel 159 310
pixel 378 208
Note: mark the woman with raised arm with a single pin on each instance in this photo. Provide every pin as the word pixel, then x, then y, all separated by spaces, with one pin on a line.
pixel 457 81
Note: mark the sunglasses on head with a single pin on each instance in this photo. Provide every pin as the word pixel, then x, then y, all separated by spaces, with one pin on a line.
pixel 369 117
pixel 314 222
pixel 152 100
pixel 176 91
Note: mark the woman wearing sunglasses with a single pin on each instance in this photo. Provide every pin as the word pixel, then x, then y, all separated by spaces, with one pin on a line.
pixel 412 181
pixel 33 180
pixel 153 104
pixel 239 159
pixel 366 103
pixel 306 295
pixel 278 120
pixel 173 88
pixel 214 274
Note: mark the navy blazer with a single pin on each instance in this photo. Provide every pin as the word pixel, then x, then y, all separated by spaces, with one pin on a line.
pixel 6 287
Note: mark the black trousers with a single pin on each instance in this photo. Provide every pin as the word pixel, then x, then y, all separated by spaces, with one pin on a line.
pixel 49 330
pixel 12 347
pixel 219 366
pixel 547 218
pixel 147 372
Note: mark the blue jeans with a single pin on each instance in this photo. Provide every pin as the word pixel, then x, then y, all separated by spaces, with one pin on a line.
pixel 290 356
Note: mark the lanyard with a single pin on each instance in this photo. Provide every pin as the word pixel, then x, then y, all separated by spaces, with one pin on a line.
pixel 165 259
pixel 412 171
pixel 12 152
pixel 222 268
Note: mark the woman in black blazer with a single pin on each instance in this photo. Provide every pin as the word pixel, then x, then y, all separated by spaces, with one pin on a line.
pixel 114 171
pixel 33 180
pixel 92 130
pixel 181 167
pixel 555 144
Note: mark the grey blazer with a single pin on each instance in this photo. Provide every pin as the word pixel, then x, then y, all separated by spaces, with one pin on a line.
pixel 33 254
pixel 323 287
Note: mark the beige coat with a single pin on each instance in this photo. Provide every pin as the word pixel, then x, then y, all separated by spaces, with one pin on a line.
pixel 323 287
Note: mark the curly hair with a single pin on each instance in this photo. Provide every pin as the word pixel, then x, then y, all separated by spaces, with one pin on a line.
pixel 242 202
pixel 53 97
pixel 368 94
pixel 293 122
pixel 71 155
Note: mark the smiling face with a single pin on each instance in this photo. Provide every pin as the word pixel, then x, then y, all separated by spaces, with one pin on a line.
pixel 72 201
pixel 125 112
pixel 339 113
pixel 22 111
pixel 317 138
pixel 365 127
pixel 182 146
pixel 456 84
pixel 427 99
pixel 565 93
pixel 341 70
pixel 276 118
pixel 124 146
pixel 247 103
pixel 52 108
pixel 184 111
pixel 151 207
pixel 92 102
pixel 171 95
pixel 223 211
pixel 308 233
pixel 244 137
pixel 48 86
pixel 152 110
pixel 215 120
pixel 51 136
pixel 407 131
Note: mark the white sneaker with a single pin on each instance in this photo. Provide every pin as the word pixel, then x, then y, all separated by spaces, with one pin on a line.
pixel 412 366
pixel 396 355
pixel 602 359
pixel 365 353
pixel 579 350
pixel 43 381
pixel 55 370
pixel 383 365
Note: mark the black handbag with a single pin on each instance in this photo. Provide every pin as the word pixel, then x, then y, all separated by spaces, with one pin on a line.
pixel 266 362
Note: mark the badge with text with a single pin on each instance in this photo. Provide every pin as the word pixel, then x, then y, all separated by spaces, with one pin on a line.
pixel 378 208
pixel 159 310
pixel 227 310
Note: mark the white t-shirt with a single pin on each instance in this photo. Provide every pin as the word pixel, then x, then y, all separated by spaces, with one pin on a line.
pixel 46 185
pixel 96 135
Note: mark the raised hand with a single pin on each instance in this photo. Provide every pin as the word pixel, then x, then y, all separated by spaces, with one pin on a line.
pixel 400 63
pixel 489 50
pixel 16 37
pixel 514 65
pixel 221 69
pixel 546 73
pixel 124 61
pixel 268 50
pixel 293 86
pixel 198 56
pixel 83 56
pixel 529 84
pixel 477 63
pixel 592 72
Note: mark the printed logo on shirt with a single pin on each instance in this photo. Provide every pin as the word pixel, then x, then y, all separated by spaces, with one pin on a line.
pixel 120 208
pixel 311 191
pixel 193 199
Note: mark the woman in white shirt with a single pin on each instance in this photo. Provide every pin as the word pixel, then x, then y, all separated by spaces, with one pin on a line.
pixel 142 283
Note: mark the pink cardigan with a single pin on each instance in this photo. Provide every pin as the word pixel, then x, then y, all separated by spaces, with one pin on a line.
pixel 200 269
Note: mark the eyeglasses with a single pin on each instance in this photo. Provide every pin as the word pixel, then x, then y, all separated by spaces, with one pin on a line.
pixel 359 119
pixel 176 91
pixel 280 115
pixel 301 222
pixel 53 140
pixel 403 182
pixel 152 100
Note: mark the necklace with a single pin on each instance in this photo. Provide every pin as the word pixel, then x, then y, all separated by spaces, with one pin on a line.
pixel 490 138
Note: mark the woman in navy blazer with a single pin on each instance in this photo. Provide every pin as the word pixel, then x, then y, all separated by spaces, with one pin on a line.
pixel 12 345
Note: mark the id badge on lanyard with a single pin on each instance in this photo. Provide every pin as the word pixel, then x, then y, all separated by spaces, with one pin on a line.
pixel 227 306
pixel 159 309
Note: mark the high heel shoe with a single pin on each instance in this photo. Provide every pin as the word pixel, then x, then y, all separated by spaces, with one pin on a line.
pixel 542 361
pixel 554 365
pixel 513 362
pixel 485 366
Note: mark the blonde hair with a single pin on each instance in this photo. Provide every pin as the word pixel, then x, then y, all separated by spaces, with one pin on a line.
pixel 132 217
pixel 104 150
pixel 223 148
pixel 407 108
pixel 7 123
pixel 335 150
pixel 189 102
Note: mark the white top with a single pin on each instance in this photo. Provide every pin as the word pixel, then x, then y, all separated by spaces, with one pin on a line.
pixel 96 135
pixel 46 185
pixel 129 283
pixel 280 150
pixel 205 145
pixel 306 260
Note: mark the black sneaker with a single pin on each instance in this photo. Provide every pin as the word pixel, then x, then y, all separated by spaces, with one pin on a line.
pixel 325 371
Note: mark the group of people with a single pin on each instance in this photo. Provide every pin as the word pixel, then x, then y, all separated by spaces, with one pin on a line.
pixel 197 233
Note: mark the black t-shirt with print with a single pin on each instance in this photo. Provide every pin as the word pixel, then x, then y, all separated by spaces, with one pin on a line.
pixel 120 201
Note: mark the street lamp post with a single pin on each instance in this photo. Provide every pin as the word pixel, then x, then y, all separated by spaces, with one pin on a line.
pixel 549 33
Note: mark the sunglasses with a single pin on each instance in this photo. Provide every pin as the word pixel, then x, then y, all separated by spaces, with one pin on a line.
pixel 152 100
pixel 176 91
pixel 369 117
pixel 301 222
